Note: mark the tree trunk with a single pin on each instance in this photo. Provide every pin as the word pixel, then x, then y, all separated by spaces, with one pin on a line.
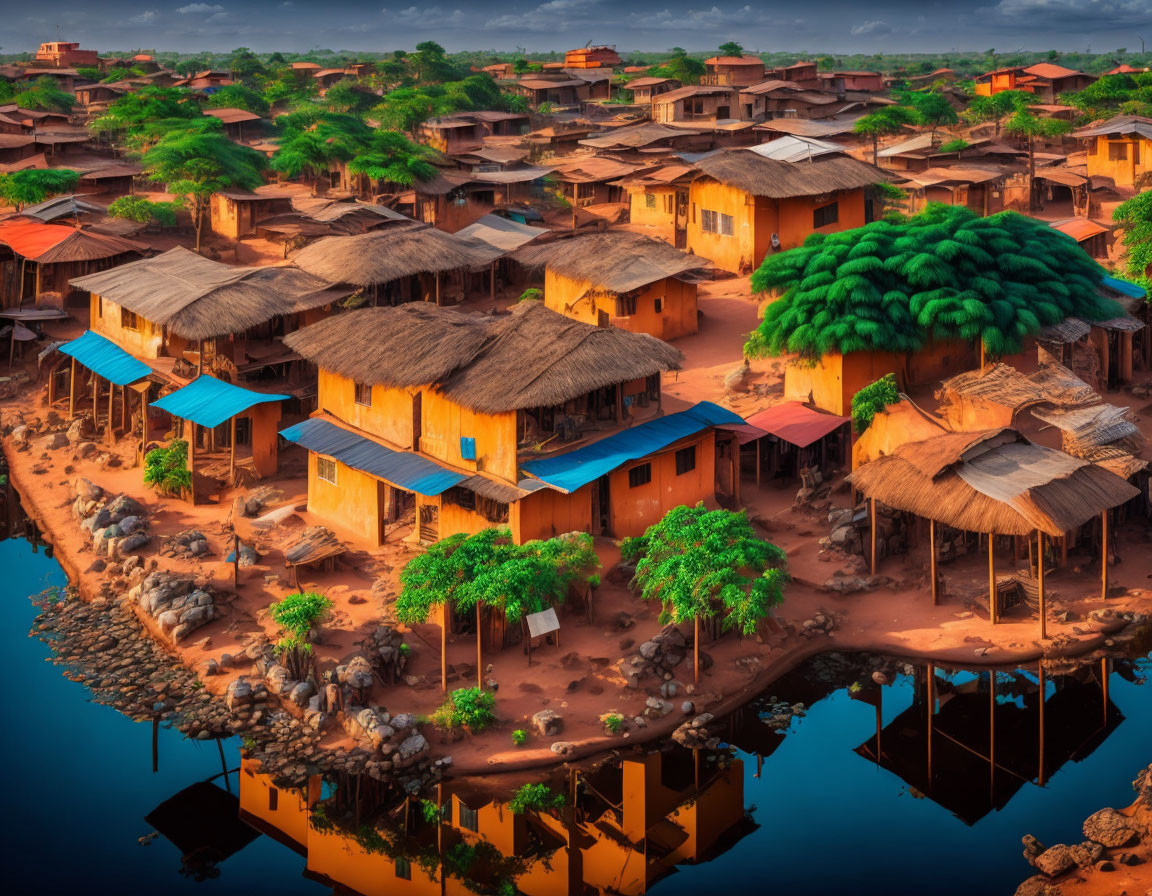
pixel 1031 174
pixel 875 149
pixel 198 221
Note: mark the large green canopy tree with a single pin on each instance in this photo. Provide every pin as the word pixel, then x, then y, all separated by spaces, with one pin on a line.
pixel 33 185
pixel 394 159
pixel 943 274
pixel 313 139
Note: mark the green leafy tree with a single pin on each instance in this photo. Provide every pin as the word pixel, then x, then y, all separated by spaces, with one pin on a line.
pixel 932 109
pixel 246 66
pixel 887 122
pixel 238 96
pixel 945 274
pixel 1135 217
pixel 708 564
pixel 998 107
pixel 296 615
pixel 33 185
pixel 1033 129
pixel 469 708
pixel 194 165
pixel 394 159
pixel 1130 94
pixel 315 140
pixel 45 95
pixel 957 146
pixel 731 48
pixel 684 68
pixel 431 65
pixel 872 399
pixel 538 797
pixel 166 469
pixel 133 112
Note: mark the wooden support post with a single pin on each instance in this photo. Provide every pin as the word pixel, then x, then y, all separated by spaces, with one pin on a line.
pixel 696 649
pixel 932 561
pixel 444 648
pixel 72 392
pixel 1104 687
pixel 992 609
pixel 235 561
pixel 1040 584
pixel 51 388
pixel 479 652
pixel 1040 755
pixel 232 454
pixel 143 424
pixel 436 276
pixel 95 400
pixel 200 359
pixel 619 403
pixel 192 462
pixel 111 397
pixel 872 526
pixel 124 408
pixel 1104 555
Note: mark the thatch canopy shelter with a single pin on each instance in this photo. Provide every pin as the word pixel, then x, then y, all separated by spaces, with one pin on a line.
pixel 378 257
pixel 777 179
pixel 995 395
pixel 617 261
pixel 530 358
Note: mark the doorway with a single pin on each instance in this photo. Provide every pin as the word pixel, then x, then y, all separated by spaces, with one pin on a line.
pixel 601 508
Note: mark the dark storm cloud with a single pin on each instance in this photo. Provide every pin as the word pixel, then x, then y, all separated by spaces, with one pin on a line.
pixel 801 25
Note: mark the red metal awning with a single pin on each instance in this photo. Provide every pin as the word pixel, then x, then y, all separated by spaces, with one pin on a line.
pixel 796 423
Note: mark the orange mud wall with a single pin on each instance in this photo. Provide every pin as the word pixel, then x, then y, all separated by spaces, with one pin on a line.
pixel 389 417
pixel 351 503
pixel 265 426
pixel 290 817
pixel 342 860
pixel 632 510
pixel 1137 158
pixel 830 383
pixel 105 319
pixel 582 300
pixel 229 218
pixel 443 423
pixel 756 218
pixel 547 513
pixel 661 217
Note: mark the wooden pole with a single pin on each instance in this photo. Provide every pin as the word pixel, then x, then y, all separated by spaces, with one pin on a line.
pixel 72 392
pixel 872 526
pixel 95 400
pixel 1040 757
pixel 1104 686
pixel 1040 584
pixel 479 652
pixel 232 453
pixel 143 424
pixel 124 408
pixel 696 649
pixel 1104 555
pixel 932 560
pixel 200 359
pixel 444 648
pixel 992 610
pixel 52 388
pixel 931 706
pixel 235 561
pixel 192 462
pixel 111 397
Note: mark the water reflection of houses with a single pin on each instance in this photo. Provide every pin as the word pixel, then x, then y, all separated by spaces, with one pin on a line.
pixel 971 741
pixel 622 827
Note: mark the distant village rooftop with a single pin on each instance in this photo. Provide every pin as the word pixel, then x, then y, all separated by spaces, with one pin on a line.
pixel 776 179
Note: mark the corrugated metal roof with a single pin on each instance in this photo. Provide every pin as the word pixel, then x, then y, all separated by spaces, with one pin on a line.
pixel 796 423
pixel 210 402
pixel 568 472
pixel 401 468
pixel 1123 286
pixel 106 359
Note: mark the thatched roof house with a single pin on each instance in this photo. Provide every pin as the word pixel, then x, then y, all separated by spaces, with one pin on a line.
pixel 757 175
pixel 528 359
pixel 395 255
pixel 992 481
pixel 196 298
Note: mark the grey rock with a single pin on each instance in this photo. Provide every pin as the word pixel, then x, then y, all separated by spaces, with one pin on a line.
pixel 547 723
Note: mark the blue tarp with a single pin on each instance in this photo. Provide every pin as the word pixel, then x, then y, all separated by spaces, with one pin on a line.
pixel 401 468
pixel 209 402
pixel 106 359
pixel 1123 286
pixel 568 472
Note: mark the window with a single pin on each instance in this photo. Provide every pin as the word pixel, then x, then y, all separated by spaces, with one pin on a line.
pixel 694 106
pixel 716 222
pixel 128 320
pixel 326 470
pixel 668 204
pixel 273 799
pixel 1117 152
pixel 364 394
pixel 403 868
pixel 650 200
pixel 585 191
pixel 639 475
pixel 685 460
pixel 825 215
pixel 468 818
pixel 625 306
pixel 659 303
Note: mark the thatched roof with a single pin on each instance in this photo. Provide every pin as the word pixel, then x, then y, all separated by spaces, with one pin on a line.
pixel 197 298
pixel 85 245
pixel 993 481
pixel 615 261
pixel 778 179
pixel 1053 384
pixel 532 357
pixel 382 256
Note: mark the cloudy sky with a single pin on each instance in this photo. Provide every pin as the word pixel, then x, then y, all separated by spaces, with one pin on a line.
pixel 837 26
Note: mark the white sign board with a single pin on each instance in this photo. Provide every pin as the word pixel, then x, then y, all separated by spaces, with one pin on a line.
pixel 543 623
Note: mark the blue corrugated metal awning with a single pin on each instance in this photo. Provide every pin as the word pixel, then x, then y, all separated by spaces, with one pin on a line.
pixel 1123 286
pixel 106 359
pixel 209 402
pixel 401 468
pixel 568 472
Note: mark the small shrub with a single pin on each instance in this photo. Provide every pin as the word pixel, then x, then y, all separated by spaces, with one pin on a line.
pixel 296 614
pixel 429 811
pixel 166 469
pixel 145 211
pixel 534 797
pixel 466 707
pixel 519 737
pixel 613 722
pixel 531 295
pixel 405 649
pixel 872 399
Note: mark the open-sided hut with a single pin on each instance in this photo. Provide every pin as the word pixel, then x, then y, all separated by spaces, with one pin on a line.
pixel 794 438
pixel 181 305
pixel 494 240
pixel 469 421
pixel 394 265
pixel 620 280
pixel 744 206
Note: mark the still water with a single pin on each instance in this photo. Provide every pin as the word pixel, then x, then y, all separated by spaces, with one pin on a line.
pixel 816 814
